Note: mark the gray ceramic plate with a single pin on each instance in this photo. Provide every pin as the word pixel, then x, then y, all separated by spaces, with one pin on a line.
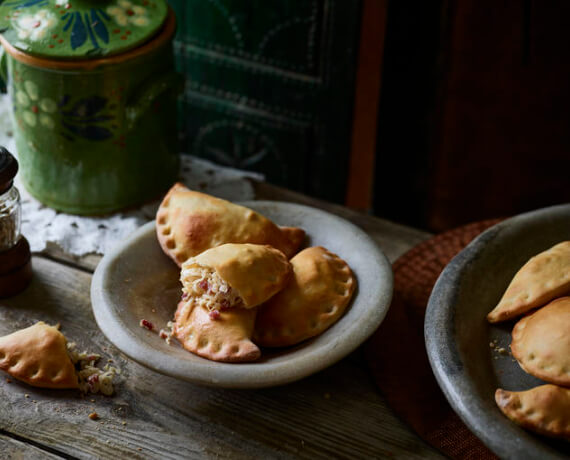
pixel 458 335
pixel 136 280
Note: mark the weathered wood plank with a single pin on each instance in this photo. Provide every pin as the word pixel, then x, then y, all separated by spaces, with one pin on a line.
pixel 335 413
pixel 12 449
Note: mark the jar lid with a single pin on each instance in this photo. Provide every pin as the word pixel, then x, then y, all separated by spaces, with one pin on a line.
pixel 8 169
pixel 84 29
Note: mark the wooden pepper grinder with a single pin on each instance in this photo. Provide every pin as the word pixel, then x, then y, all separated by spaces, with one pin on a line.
pixel 15 258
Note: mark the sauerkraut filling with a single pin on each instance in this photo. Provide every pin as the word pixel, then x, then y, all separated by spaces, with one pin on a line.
pixel 207 289
pixel 91 378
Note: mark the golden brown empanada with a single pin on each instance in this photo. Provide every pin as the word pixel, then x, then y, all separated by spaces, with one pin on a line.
pixel 224 337
pixel 188 223
pixel 544 409
pixel 234 275
pixel 541 342
pixel 38 356
pixel 314 298
pixel 544 277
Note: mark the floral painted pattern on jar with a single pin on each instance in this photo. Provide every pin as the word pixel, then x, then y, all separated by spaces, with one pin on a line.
pixel 125 13
pixel 35 110
pixel 35 26
pixel 80 28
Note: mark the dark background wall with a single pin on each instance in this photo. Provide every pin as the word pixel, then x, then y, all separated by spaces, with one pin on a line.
pixel 270 87
pixel 475 110
pixel 429 113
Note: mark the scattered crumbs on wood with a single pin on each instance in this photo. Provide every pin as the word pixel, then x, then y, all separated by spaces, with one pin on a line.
pixel 94 416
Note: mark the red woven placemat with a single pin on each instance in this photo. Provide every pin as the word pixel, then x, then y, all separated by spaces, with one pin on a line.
pixel 397 356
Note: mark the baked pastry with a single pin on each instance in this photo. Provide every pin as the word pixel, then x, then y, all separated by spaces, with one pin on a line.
pixel 38 356
pixel 221 288
pixel 189 222
pixel 541 342
pixel 544 409
pixel 234 275
pixel 314 298
pixel 544 277
pixel 224 336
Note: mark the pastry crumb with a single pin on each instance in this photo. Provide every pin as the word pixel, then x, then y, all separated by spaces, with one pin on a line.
pixel 26 395
pixel 94 416
pixel 166 333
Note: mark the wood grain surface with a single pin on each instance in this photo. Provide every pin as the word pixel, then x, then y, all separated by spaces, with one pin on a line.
pixel 337 413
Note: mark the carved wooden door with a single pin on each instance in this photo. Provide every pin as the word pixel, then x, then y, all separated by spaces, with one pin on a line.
pixel 269 87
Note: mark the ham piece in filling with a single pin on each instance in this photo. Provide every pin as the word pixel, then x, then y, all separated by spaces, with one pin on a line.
pixel 208 290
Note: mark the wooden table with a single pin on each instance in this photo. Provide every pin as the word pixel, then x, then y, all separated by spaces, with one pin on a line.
pixel 337 413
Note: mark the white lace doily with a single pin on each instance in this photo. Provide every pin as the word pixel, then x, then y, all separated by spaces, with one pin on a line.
pixel 79 236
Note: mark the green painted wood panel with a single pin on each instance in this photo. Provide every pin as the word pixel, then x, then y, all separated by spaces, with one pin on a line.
pixel 270 87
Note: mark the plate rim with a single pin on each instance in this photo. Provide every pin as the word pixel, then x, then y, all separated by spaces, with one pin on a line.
pixel 436 338
pixel 321 358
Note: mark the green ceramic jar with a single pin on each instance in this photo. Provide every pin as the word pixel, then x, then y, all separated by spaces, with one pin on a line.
pixel 94 95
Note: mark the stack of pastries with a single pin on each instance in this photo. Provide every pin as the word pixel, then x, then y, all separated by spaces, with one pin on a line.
pixel 244 282
pixel 540 341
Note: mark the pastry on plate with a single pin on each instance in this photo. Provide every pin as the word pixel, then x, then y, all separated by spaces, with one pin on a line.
pixel 189 222
pixel 223 336
pixel 221 288
pixel 541 342
pixel 544 277
pixel 314 298
pixel 38 356
pixel 544 409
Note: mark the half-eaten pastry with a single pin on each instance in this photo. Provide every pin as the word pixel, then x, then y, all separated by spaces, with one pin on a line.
pixel 38 356
pixel 544 277
pixel 541 342
pixel 544 409
pixel 314 298
pixel 234 275
pixel 221 287
pixel 189 222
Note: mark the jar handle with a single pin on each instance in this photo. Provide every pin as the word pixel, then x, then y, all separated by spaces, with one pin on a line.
pixel 3 70
pixel 141 102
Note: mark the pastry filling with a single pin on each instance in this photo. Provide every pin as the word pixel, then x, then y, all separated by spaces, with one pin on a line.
pixel 91 378
pixel 208 289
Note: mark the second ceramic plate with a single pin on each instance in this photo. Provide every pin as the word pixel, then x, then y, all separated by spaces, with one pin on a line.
pixel 136 280
pixel 458 335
